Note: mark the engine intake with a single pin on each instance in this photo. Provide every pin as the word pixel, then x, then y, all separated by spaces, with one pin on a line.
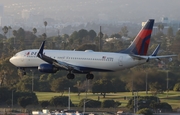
pixel 47 68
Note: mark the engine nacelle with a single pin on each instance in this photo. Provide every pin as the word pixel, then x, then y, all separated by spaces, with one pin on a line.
pixel 47 68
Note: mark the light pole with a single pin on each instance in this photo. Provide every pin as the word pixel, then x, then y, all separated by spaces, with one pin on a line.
pixel 69 100
pixel 84 105
pixel 167 83
pixel 32 80
pixel 12 99
pixel 146 83
pixel 87 86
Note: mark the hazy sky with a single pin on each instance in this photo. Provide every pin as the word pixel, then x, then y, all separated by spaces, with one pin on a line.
pixel 121 9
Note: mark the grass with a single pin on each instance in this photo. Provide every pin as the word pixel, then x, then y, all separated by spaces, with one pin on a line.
pixel 173 97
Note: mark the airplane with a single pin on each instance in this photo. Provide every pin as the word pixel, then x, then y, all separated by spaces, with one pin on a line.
pixel 88 61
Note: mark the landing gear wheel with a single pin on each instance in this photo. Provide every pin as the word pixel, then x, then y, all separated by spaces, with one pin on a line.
pixel 89 76
pixel 70 76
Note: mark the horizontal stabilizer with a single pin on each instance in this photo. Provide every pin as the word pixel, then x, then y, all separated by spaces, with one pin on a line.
pixel 156 50
pixel 147 58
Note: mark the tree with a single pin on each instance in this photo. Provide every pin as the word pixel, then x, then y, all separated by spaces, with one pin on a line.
pixel 4 94
pixel 170 32
pixel 119 85
pixel 44 86
pixel 18 94
pixel 60 101
pixel 25 84
pixel 124 31
pixel 90 103
pixel 164 107
pixel 74 35
pixel 24 101
pixel 45 24
pixel 136 81
pixel 88 47
pixel 21 33
pixel 110 103
pixel 177 87
pixel 15 35
pixel 145 111
pixel 44 103
pixel 82 33
pixel 155 88
pixel 44 36
pixel 92 34
pixel 9 28
pixel 178 35
pixel 5 30
pixel 61 84
pixel 143 102
pixel 34 31
pixel 103 86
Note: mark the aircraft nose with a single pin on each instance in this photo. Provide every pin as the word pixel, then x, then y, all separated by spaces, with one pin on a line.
pixel 11 60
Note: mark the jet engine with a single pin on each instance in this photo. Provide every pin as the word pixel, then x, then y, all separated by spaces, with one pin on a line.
pixel 47 68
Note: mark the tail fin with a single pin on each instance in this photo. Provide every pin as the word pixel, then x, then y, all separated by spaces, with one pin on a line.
pixel 141 42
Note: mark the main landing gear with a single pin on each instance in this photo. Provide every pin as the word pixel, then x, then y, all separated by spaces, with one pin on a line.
pixel 89 76
pixel 72 76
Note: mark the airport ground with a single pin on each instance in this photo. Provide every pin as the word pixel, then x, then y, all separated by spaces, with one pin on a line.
pixel 173 98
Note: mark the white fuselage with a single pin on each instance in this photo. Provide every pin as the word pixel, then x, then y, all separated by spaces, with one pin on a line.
pixel 102 61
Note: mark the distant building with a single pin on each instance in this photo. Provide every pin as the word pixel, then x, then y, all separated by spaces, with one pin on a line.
pixel 174 24
pixel 25 14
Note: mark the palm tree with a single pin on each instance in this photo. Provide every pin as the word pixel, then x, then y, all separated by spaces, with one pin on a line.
pixel 45 24
pixel 44 35
pixel 5 30
pixel 34 31
pixel 14 34
pixel 9 27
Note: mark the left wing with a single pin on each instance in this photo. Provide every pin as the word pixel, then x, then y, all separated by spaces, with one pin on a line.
pixel 54 62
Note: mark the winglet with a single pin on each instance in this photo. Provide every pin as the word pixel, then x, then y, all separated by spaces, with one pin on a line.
pixel 40 53
pixel 156 50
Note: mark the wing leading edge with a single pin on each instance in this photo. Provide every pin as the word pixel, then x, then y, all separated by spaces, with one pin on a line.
pixel 54 62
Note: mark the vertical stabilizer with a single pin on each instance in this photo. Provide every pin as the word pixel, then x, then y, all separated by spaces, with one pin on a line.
pixel 141 42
